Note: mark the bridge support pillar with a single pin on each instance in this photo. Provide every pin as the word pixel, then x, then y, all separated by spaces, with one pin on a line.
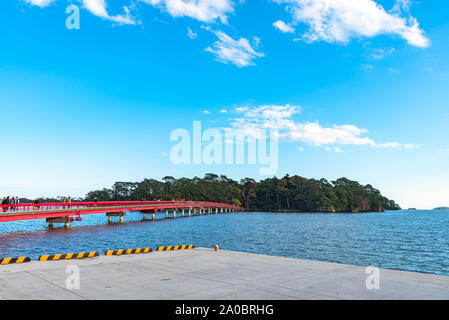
pixel 152 216
pixel 174 214
pixel 64 220
pixel 166 213
pixel 190 211
pixel 115 214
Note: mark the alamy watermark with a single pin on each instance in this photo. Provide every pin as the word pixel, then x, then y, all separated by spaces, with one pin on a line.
pixel 373 280
pixel 226 146
pixel 72 282
pixel 73 20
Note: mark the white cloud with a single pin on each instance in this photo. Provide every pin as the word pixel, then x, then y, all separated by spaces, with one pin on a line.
pixel 40 3
pixel 191 34
pixel 254 122
pixel 367 67
pixel 401 6
pixel 223 111
pixel 337 21
pixel 412 146
pixel 380 53
pixel 205 111
pixel 98 8
pixel 238 52
pixel 283 27
pixel 202 10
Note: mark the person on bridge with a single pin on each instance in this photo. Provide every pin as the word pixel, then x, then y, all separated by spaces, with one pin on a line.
pixel 8 201
pixel 36 204
pixel 4 203
pixel 13 202
pixel 16 202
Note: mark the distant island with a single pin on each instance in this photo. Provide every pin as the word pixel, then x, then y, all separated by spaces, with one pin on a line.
pixel 442 208
pixel 290 193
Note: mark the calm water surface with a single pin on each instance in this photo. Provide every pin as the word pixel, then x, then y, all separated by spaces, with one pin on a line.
pixel 404 240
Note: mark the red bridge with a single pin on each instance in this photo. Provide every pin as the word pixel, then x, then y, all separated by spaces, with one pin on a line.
pixel 68 212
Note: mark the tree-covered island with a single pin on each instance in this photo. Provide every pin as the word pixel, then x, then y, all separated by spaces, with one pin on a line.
pixel 290 193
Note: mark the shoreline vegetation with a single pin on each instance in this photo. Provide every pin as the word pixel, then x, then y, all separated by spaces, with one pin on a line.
pixel 287 194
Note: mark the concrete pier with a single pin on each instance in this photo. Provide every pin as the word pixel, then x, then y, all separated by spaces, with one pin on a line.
pixel 207 274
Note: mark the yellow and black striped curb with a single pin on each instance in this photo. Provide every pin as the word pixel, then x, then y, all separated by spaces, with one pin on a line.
pixel 172 248
pixel 15 260
pixel 128 251
pixel 69 256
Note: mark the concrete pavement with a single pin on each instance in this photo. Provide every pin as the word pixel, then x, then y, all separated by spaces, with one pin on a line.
pixel 205 274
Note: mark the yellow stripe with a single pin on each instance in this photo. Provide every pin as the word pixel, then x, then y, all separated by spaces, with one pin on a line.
pixel 80 255
pixel 129 251
pixel 176 248
pixel 44 258
pixel 6 260
pixel 147 250
pixel 190 246
pixel 119 252
pixel 183 247
pixel 160 249
pixel 138 250
pixel 109 252
pixel 91 254
pixel 20 260
pixel 168 248
pixel 69 256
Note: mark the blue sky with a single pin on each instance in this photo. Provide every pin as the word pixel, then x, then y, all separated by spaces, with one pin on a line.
pixel 358 88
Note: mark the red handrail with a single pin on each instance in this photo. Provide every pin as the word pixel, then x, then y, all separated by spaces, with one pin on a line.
pixel 48 206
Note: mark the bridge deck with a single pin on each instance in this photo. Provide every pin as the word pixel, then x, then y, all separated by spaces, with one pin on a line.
pixel 56 210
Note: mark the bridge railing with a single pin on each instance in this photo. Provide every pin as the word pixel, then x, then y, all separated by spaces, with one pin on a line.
pixel 50 206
